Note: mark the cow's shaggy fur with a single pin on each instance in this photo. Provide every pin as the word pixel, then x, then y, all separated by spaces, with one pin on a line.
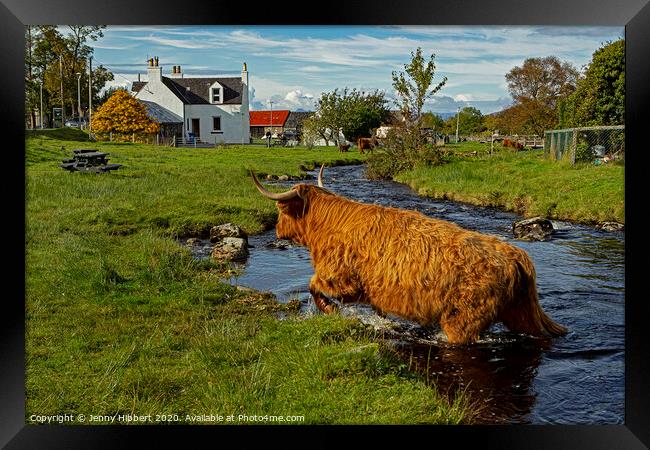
pixel 405 263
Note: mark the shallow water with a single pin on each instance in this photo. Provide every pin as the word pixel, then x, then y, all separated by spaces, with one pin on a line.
pixel 575 379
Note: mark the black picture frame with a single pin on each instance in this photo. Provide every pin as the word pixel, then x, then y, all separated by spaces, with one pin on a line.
pixel 634 15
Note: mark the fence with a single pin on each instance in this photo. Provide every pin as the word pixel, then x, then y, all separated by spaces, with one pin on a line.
pixel 586 144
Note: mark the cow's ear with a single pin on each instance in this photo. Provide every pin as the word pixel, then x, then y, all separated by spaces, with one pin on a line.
pixel 297 206
pixel 294 207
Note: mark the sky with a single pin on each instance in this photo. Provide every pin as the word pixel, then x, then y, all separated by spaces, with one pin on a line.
pixel 292 65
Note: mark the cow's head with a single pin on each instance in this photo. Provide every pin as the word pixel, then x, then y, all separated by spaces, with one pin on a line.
pixel 293 206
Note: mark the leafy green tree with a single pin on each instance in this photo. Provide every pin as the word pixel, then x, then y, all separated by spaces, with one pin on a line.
pixel 48 53
pixel 600 96
pixel 431 120
pixel 405 146
pixel 355 113
pixel 414 87
pixel 471 121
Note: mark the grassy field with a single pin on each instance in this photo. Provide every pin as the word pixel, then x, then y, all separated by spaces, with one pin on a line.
pixel 121 320
pixel 526 183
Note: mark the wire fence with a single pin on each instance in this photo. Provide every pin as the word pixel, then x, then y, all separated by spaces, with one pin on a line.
pixel 586 144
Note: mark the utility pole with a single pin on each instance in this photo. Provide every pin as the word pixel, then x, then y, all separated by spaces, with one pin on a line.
pixel 41 108
pixel 90 96
pixel 269 140
pixel 62 104
pixel 79 97
pixel 457 123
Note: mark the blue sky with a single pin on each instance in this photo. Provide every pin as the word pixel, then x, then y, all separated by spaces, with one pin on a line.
pixel 292 65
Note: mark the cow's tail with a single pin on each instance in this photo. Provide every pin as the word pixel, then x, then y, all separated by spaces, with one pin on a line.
pixel 525 315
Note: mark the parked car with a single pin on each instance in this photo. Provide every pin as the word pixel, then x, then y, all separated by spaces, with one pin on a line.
pixel 75 122
pixel 291 134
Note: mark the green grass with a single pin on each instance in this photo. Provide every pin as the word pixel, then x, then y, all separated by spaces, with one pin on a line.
pixel 120 319
pixel 526 183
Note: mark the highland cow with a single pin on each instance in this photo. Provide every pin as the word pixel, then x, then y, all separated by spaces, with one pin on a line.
pixel 367 144
pixel 416 267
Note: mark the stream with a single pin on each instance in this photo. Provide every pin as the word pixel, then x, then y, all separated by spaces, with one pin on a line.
pixel 574 379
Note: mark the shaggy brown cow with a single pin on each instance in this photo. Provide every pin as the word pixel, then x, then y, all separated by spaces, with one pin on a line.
pixel 405 263
pixel 367 144
pixel 344 147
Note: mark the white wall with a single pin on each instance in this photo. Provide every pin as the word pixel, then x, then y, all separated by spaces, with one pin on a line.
pixel 231 122
pixel 155 91
pixel 321 142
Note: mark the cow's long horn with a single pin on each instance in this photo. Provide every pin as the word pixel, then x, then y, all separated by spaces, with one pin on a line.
pixel 320 176
pixel 288 195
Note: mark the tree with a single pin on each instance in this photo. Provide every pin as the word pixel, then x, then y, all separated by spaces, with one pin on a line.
pixel 106 94
pixel 405 146
pixel 312 130
pixel 414 87
pixel 49 54
pixel 354 113
pixel 123 115
pixel 600 96
pixel 431 120
pixel 470 122
pixel 537 87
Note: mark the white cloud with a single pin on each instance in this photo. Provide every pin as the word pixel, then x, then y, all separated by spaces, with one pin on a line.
pixel 463 97
pixel 299 99
pixel 313 69
pixel 178 43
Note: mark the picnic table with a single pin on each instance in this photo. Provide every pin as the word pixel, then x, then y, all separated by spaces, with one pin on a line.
pixel 88 160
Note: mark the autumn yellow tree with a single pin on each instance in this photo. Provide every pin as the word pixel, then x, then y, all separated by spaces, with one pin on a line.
pixel 123 116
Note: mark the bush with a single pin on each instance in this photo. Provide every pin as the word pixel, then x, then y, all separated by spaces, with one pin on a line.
pixel 584 152
pixel 403 149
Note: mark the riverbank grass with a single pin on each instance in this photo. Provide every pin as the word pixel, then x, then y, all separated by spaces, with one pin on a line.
pixel 526 183
pixel 121 320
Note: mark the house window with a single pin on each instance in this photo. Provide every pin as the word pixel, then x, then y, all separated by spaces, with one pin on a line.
pixel 216 95
pixel 216 124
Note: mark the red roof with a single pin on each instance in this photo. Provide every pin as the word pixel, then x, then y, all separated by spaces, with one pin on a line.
pixel 263 118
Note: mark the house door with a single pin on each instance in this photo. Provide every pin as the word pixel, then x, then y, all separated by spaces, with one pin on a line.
pixel 196 129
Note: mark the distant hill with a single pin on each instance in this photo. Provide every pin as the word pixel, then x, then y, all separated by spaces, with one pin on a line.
pixel 444 115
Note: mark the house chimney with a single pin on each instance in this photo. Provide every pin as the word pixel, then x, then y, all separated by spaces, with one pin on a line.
pixel 176 73
pixel 244 82
pixel 245 114
pixel 153 71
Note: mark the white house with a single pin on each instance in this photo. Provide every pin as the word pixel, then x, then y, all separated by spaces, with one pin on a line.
pixel 215 109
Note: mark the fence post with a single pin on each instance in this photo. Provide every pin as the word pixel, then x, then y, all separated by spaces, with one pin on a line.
pixel 574 145
pixel 553 146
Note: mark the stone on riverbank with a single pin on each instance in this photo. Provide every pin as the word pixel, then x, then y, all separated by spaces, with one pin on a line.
pixel 610 226
pixel 219 232
pixel 280 244
pixel 534 229
pixel 230 242
pixel 230 249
